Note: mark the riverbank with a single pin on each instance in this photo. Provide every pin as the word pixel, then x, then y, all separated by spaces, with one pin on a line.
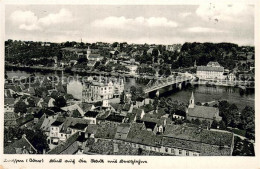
pixel 227 83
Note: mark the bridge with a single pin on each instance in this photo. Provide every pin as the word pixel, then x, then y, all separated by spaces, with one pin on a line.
pixel 163 82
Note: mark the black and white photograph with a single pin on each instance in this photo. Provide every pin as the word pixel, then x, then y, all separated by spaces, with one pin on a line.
pixel 129 80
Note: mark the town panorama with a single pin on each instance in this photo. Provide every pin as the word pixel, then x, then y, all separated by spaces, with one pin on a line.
pixel 122 98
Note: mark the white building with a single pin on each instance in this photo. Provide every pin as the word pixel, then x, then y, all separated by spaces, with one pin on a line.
pixel 212 71
pixel 98 91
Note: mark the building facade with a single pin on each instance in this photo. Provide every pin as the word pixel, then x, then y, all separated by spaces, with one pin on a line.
pixel 213 71
pixel 98 91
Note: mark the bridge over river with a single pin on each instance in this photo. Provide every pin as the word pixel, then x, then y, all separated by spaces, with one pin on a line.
pixel 155 85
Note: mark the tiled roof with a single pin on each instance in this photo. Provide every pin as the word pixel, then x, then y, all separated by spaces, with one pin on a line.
pixel 115 118
pixel 47 123
pixel 202 148
pixel 79 126
pixel 213 64
pixel 138 134
pixel 122 131
pixel 23 120
pixel 72 149
pixel 86 106
pixel 106 130
pixel 9 101
pixel 64 146
pixel 198 135
pixel 208 68
pixel 92 55
pixel 22 146
pixel 116 106
pixel 76 114
pixel 56 123
pixel 71 122
pixel 203 112
pixel 91 114
pixel 74 107
pixel 10 119
pixel 153 118
pixel 92 129
pixel 126 107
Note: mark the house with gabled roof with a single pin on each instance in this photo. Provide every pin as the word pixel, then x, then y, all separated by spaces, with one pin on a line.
pixel 21 146
pixel 202 112
pixel 122 131
pixel 73 107
pixel 70 146
pixel 91 116
pixel 91 131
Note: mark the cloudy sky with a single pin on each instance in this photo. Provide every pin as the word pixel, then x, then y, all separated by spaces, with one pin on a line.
pixel 132 23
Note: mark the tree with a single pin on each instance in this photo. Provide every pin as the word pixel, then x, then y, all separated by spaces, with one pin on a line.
pixel 214 124
pixel 222 125
pixel 20 107
pixel 82 60
pixel 205 123
pixel 114 44
pixel 198 103
pixel 248 119
pixel 31 102
pixel 167 72
pixel 155 103
pixel 197 122
pixel 122 98
pixel 38 139
pixel 60 102
pixel 133 90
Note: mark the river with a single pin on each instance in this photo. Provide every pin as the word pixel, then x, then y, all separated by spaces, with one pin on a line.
pixel 201 92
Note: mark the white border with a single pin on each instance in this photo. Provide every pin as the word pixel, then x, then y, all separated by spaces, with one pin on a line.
pixel 156 161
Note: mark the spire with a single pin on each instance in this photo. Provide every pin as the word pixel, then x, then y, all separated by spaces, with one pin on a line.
pixel 191 104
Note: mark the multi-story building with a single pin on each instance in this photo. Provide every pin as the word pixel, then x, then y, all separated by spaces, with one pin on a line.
pixel 98 91
pixel 213 71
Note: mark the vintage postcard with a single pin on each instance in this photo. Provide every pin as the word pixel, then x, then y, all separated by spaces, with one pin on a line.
pixel 159 84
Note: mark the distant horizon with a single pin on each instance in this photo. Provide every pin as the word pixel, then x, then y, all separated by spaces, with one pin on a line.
pixel 130 43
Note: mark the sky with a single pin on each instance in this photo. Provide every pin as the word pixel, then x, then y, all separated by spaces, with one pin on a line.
pixel 152 24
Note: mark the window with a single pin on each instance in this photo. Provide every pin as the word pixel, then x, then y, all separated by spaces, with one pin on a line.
pixel 187 153
pixel 166 149
pixel 172 151
pixel 180 152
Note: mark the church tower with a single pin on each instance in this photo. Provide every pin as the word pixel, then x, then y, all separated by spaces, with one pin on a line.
pixel 191 103
pixel 88 52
